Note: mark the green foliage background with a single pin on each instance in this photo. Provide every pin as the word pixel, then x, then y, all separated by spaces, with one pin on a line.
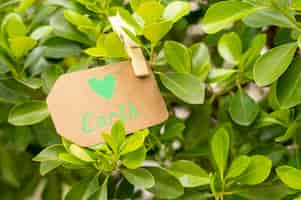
pixel 230 73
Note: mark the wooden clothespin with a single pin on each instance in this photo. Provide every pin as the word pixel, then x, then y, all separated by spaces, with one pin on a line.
pixel 139 64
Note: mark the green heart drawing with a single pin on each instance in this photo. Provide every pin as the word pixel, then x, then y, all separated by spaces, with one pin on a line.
pixel 104 87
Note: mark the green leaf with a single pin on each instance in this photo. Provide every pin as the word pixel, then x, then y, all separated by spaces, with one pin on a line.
pixel 71 159
pixel 150 11
pixel 250 56
pixel 296 5
pixel 184 86
pixel 258 170
pixel 28 113
pixel 289 86
pixel 269 67
pixel 50 153
pixel 84 189
pixel 77 19
pixel 220 145
pixel 41 32
pixel 13 25
pixel 134 159
pixel 189 174
pixel 48 166
pixel 292 130
pixel 238 166
pixel 81 153
pixel 224 13
pixel 243 110
pixel 21 45
pixel 268 17
pixel 230 47
pixel 105 43
pixel 201 62
pixel 134 142
pixel 220 74
pixel 118 132
pixel 267 191
pixel 102 193
pixel 178 56
pixel 60 48
pixel 8 169
pixel 156 31
pixel 140 177
pixel 24 5
pixel 63 29
pixel 176 10
pixel 166 186
pixel 173 129
pixel 290 176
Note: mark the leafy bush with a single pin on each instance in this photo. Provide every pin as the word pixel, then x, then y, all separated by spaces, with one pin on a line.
pixel 230 73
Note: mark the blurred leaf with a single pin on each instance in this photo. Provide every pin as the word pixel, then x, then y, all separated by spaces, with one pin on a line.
pixel 13 25
pixel 67 31
pixel 28 113
pixel 60 48
pixel 84 189
pixel 21 45
pixel 290 176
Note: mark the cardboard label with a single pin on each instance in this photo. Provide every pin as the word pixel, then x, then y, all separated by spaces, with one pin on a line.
pixel 84 104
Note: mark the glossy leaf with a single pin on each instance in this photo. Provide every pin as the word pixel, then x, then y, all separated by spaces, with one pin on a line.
pixel 243 110
pixel 185 86
pixel 28 113
pixel 273 64
pixel 176 10
pixel 290 176
pixel 201 62
pixel 258 170
pixel 289 86
pixel 178 56
pixel 140 177
pixel 220 145
pixel 166 186
pixel 189 174
pixel 134 159
pixel 238 166
pixel 230 47
pixel 224 13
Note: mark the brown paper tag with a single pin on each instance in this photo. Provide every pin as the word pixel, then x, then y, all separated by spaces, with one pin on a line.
pixel 84 104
